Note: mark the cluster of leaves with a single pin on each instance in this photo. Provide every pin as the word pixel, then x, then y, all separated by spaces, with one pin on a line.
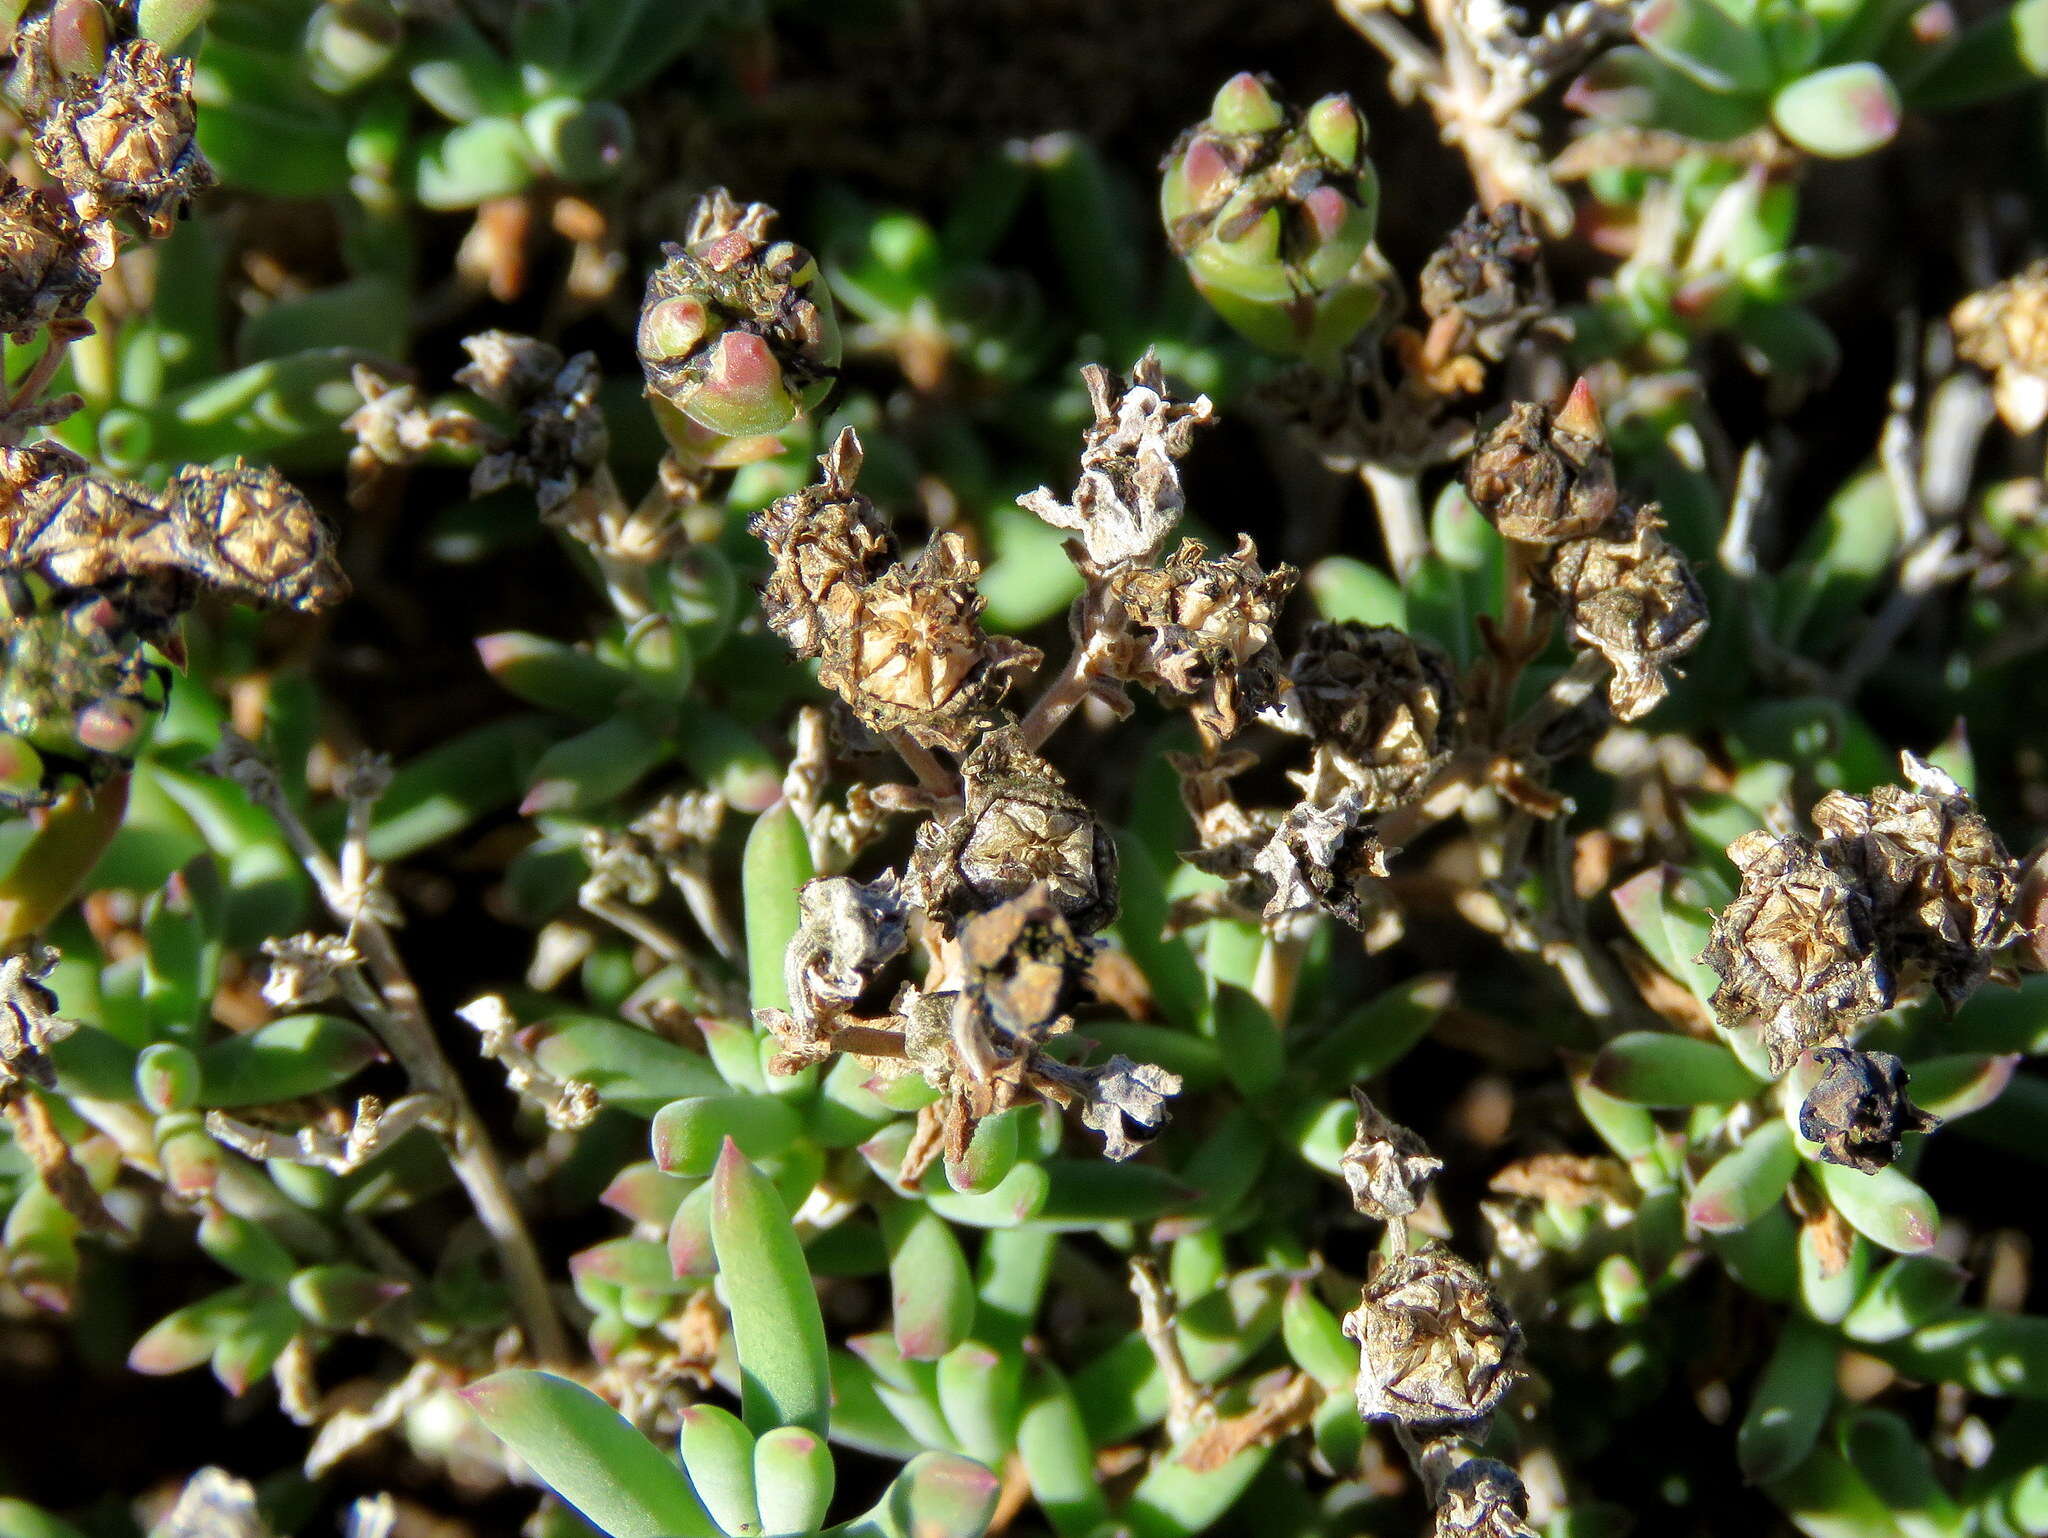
pixel 886 976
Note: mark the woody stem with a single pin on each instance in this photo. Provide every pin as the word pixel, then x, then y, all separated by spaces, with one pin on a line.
pixel 1397 498
pixel 931 774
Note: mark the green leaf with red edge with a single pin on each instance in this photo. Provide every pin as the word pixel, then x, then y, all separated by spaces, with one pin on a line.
pixel 777 1329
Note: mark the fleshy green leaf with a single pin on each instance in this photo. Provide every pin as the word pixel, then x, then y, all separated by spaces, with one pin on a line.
pixel 776 1326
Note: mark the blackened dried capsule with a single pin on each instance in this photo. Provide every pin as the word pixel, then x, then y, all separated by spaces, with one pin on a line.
pixel 1858 1112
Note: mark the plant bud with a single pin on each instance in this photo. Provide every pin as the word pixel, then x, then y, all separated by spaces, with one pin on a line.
pixel 1859 1113
pixel 1274 214
pixel 737 333
pixel 251 534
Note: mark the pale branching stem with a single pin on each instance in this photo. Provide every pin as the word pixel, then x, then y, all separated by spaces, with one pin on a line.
pixel 400 1018
pixel 629 920
pixel 1524 627
pixel 1923 569
pixel 1063 694
pixel 934 776
pixel 1397 498
pixel 700 896
pixel 1278 975
pixel 1187 1402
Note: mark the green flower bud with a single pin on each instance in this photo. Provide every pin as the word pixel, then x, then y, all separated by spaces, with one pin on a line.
pixel 737 332
pixel 349 43
pixel 1274 213
pixel 580 141
pixel 167 1077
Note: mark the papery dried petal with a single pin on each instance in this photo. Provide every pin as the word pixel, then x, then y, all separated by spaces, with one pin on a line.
pixel 1434 1343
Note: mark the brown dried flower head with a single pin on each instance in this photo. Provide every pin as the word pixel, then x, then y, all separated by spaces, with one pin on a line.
pixel 1129 495
pixel 559 438
pixel 2005 329
pixel 1858 1112
pixel 1380 705
pixel 1434 1343
pixel 1544 477
pixel 247 531
pixel 1630 596
pixel 1387 1166
pixel 1202 632
pixel 1481 290
pixel 828 543
pixel 1796 949
pixel 1941 883
pixel 912 655
pixel 1482 1499
pixel 1324 859
pixel 1026 968
pixel 124 142
pixel 49 267
pixel 1019 826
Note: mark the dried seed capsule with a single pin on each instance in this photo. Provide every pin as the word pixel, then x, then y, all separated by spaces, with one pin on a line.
pixel 1123 1101
pixel 1381 706
pixel 1025 966
pixel 1941 884
pixel 1858 1112
pixel 1019 826
pixel 1434 1343
pixel 1796 949
pixel 246 531
pixel 737 332
pixel 123 143
pixel 1274 214
pixel 1387 1166
pixel 1128 497
pixel 1322 859
pixel 2005 329
pixel 1544 478
pixel 1202 632
pixel 1482 1499
pixel 828 544
pixel 49 267
pixel 1630 596
pixel 85 530
pixel 847 931
pixel 1487 281
pixel 912 655
pixel 559 438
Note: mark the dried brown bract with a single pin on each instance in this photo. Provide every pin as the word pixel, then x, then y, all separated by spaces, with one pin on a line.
pixel 1434 1344
pixel 1630 595
pixel 912 655
pixel 1941 883
pixel 1481 290
pixel 1202 632
pixel 49 266
pixel 1026 968
pixel 1796 949
pixel 2005 329
pixel 1387 1166
pixel 1858 1112
pixel 1322 859
pixel 1380 706
pixel 1129 494
pixel 29 1022
pixel 124 142
pixel 248 532
pixel 559 438
pixel 1482 1499
pixel 1544 477
pixel 827 543
pixel 1019 826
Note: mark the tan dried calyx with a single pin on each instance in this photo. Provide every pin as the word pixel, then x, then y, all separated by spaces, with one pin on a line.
pixel 1200 632
pixel 1483 1499
pixel 828 544
pixel 244 531
pixel 1797 948
pixel 1629 595
pixel 1435 1346
pixel 1380 706
pixel 1481 291
pixel 1129 496
pixel 1322 859
pixel 1941 884
pixel 124 142
pixel 1544 477
pixel 49 265
pixel 913 657
pixel 1018 826
pixel 1387 1167
pixel 2005 329
pixel 558 440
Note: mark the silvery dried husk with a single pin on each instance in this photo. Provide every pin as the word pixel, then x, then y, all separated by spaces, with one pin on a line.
pixel 1435 1346
pixel 1796 950
pixel 1630 595
pixel 827 543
